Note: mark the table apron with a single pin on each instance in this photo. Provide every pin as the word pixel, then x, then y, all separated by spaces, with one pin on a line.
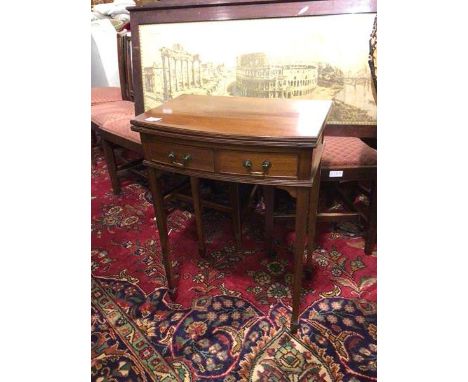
pixel 248 179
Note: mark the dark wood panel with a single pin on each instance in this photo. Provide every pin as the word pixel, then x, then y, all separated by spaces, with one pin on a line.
pixel 316 7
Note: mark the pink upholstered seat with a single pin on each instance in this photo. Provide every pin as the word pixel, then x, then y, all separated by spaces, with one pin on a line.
pixel 122 128
pixel 103 95
pixel 347 152
pixel 106 112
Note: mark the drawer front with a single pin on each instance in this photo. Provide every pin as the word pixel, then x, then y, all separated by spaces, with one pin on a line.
pixel 180 156
pixel 257 163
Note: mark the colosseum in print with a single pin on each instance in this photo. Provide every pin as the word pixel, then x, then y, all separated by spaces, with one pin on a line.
pixel 314 57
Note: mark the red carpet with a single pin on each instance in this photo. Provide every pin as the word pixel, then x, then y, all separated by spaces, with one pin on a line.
pixel 229 318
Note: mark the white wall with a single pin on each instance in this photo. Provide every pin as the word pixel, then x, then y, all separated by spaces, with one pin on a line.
pixel 104 58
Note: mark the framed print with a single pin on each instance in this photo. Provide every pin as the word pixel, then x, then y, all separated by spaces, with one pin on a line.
pixel 298 50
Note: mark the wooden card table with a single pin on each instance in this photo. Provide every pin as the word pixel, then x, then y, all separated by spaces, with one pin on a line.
pixel 271 142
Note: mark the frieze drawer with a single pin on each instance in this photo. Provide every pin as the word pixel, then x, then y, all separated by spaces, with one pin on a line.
pixel 255 163
pixel 179 156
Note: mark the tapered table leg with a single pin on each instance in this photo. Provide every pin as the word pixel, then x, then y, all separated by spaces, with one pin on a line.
pixel 302 200
pixel 236 212
pixel 195 184
pixel 161 221
pixel 269 199
pixel 312 223
pixel 313 210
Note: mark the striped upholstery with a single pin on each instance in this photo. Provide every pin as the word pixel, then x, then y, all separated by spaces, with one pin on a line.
pixel 111 111
pixel 103 95
pixel 347 152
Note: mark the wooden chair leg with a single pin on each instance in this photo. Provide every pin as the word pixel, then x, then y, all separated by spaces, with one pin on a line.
pixel 236 212
pixel 371 235
pixel 111 165
pixel 269 199
pixel 195 185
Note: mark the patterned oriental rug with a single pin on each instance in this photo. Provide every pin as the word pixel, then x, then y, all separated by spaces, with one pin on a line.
pixel 228 320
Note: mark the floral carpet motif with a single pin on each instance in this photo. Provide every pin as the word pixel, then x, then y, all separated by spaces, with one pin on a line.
pixel 228 319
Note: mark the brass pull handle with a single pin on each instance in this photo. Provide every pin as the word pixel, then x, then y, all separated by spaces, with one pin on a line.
pixel 265 166
pixel 185 159
pixel 248 164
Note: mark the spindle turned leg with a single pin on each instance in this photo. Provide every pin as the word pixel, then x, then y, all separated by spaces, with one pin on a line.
pixel 161 222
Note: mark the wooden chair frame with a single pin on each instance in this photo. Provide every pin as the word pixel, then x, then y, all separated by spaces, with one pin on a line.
pixel 362 173
pixel 110 141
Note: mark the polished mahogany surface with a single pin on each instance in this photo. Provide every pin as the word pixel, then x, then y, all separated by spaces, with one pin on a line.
pixel 240 118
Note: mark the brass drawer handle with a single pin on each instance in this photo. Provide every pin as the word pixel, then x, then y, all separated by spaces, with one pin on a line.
pixel 265 166
pixel 185 159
